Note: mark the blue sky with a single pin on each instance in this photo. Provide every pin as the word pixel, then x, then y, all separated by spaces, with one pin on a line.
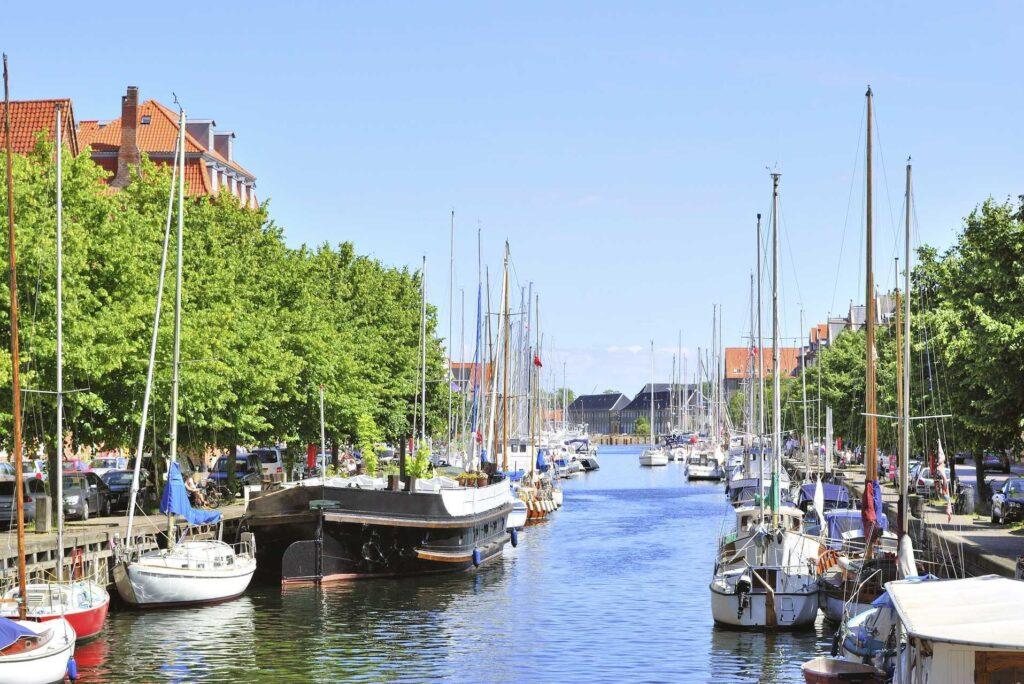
pixel 620 147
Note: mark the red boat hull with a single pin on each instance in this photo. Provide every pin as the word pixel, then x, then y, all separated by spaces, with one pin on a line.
pixel 87 623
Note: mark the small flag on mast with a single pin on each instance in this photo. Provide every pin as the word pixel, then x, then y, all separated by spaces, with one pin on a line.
pixel 536 361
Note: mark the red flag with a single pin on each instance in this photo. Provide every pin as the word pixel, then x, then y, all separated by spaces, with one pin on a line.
pixel 536 361
pixel 311 451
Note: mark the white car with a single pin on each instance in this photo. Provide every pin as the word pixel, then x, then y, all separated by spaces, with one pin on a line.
pixel 104 464
pixel 271 461
pixel 922 482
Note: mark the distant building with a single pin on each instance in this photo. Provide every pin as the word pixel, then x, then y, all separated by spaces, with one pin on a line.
pixel 150 127
pixel 640 406
pixel 29 118
pixel 600 412
pixel 741 365
pixel 464 374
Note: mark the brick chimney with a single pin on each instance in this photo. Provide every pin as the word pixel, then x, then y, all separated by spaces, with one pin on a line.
pixel 128 152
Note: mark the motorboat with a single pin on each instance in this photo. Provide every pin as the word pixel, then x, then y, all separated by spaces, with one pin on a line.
pixel 518 516
pixel 35 652
pixel 654 457
pixel 702 465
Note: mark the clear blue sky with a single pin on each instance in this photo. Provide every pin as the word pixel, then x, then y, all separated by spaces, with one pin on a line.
pixel 620 147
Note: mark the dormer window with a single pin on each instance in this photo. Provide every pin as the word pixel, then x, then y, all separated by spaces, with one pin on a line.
pixel 146 118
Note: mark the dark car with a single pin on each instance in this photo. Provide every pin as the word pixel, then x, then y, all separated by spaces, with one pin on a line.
pixel 248 471
pixel 34 488
pixel 994 462
pixel 1008 501
pixel 81 496
pixel 116 490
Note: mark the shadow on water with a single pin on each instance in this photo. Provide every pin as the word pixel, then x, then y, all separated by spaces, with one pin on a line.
pixel 612 588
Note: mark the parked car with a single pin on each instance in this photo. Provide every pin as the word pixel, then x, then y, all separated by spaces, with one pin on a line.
pixel 6 471
pixel 271 460
pixel 248 470
pixel 962 456
pixel 33 468
pixel 994 461
pixel 1008 501
pixel 117 490
pixel 922 481
pixel 81 497
pixel 33 488
pixel 101 465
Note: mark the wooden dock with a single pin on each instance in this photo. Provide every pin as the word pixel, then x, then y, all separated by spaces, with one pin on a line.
pixel 95 539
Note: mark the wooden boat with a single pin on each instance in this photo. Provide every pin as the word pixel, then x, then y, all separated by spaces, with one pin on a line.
pixel 35 652
pixel 340 529
pixel 826 670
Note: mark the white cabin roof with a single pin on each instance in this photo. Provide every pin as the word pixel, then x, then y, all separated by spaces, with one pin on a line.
pixel 987 611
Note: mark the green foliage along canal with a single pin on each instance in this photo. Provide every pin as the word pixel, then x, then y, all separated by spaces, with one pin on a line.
pixel 612 588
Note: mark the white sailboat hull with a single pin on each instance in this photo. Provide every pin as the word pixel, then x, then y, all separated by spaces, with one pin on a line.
pixel 43 665
pixel 654 458
pixel 181 578
pixel 790 610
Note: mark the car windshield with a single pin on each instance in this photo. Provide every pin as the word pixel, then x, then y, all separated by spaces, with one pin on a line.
pixel 1015 487
pixel 71 482
pixel 118 477
pixel 266 455
pixel 222 464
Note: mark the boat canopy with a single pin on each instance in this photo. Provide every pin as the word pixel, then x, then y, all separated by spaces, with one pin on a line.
pixel 175 500
pixel 985 612
pixel 836 496
pixel 11 631
pixel 845 519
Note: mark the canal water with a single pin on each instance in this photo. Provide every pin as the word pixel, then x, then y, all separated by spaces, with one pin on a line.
pixel 613 587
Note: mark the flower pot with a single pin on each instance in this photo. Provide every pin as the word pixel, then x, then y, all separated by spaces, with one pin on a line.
pixel 482 480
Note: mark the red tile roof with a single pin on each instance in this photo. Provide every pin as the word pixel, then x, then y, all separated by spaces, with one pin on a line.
pixel 158 136
pixel 29 117
pixel 738 360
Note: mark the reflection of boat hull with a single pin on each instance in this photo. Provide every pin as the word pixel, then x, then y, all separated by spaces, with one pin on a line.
pixel 331 533
pixel 47 662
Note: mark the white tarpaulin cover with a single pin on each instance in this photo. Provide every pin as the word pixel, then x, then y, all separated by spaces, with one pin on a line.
pixel 983 611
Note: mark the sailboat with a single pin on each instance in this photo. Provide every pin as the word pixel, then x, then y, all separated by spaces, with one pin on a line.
pixel 655 456
pixel 30 651
pixel 83 602
pixel 764 575
pixel 190 571
pixel 861 571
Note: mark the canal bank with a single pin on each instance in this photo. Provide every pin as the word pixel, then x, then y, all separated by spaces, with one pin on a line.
pixel 613 584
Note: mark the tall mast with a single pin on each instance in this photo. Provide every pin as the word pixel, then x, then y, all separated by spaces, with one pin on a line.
pixel 507 332
pixel 15 353
pixel 423 351
pixel 493 400
pixel 653 442
pixel 870 390
pixel 803 381
pixel 750 365
pixel 451 293
pixel 176 362
pixel 760 376
pixel 60 348
pixel 176 168
pixel 776 403
pixel 905 418
pixel 535 386
pixel 461 412
pixel 323 437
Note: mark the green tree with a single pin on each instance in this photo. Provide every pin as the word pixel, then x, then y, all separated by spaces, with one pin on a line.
pixel 368 435
pixel 642 427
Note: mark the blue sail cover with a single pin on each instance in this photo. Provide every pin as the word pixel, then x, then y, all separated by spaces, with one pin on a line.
pixel 11 631
pixel 843 520
pixel 542 464
pixel 836 496
pixel 175 500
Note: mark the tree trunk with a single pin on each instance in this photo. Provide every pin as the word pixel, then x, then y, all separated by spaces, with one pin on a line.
pixel 55 468
pixel 334 452
pixel 401 456
pixel 979 469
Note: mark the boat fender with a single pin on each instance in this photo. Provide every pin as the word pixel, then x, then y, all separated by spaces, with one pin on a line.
pixel 477 558
pixel 72 669
pixel 515 537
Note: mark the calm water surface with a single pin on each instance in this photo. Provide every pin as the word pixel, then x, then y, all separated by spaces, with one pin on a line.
pixel 612 588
